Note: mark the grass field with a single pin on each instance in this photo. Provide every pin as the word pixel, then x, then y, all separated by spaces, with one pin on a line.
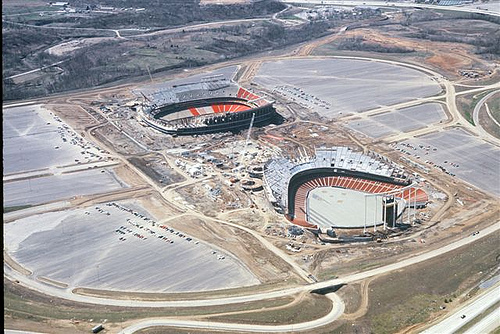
pixel 467 103
pixel 414 295
pixel 15 208
pixel 310 307
pixel 494 105
pixel 23 304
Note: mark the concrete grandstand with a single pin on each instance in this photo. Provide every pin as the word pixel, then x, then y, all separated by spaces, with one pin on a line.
pixel 215 104
pixel 340 188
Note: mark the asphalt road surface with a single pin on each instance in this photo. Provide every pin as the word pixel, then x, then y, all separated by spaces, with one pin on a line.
pixel 487 325
pixel 467 313
pixel 336 312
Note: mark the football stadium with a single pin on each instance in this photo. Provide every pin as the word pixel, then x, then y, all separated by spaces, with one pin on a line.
pixel 340 188
pixel 214 104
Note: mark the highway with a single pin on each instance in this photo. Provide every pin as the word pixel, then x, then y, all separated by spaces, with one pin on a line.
pixel 457 320
pixel 487 325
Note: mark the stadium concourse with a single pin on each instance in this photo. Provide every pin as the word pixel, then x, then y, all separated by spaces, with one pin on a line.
pixel 340 188
pixel 215 104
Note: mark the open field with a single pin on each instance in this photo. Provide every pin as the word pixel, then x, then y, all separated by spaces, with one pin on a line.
pixel 414 295
pixel 445 41
pixel 468 158
pixel 119 251
pixel 349 86
pixel 308 307
pixel 489 115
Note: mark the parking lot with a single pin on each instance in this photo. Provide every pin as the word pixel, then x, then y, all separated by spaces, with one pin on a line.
pixel 58 187
pixel 120 246
pixel 227 72
pixel 402 120
pixel 460 154
pixel 345 86
pixel 35 139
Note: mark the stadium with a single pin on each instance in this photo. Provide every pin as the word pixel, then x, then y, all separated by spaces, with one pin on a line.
pixel 342 189
pixel 215 104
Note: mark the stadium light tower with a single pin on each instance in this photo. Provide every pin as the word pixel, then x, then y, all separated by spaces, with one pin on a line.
pixel 247 140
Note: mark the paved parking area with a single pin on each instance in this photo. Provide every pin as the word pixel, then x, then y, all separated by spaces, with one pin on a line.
pixel 460 154
pixel 346 85
pixel 57 187
pixel 119 246
pixel 228 72
pixel 402 120
pixel 35 139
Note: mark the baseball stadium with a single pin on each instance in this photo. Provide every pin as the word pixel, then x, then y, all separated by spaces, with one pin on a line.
pixel 340 188
pixel 215 104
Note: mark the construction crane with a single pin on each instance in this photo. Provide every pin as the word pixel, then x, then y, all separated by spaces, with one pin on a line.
pixel 243 152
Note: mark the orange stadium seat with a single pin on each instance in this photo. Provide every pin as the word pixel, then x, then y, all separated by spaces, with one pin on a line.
pixel 368 186
pixel 194 111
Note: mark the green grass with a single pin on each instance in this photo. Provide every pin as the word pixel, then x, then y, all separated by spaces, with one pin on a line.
pixel 20 303
pixel 311 307
pixel 467 103
pixel 15 208
pixel 494 105
pixel 409 296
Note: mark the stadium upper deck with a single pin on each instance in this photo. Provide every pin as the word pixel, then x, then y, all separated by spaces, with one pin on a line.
pixel 214 104
pixel 279 172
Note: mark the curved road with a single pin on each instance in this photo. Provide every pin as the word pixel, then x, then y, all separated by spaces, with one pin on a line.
pixel 475 114
pixel 334 314
pixel 67 294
